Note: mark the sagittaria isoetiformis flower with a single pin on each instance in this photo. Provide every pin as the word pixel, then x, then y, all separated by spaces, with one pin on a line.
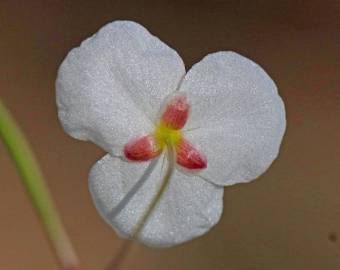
pixel 218 124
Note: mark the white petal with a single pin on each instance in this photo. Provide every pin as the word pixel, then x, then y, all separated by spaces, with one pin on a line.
pixel 238 115
pixel 188 208
pixel 111 87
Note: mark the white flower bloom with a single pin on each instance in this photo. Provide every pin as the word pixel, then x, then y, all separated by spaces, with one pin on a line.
pixel 128 92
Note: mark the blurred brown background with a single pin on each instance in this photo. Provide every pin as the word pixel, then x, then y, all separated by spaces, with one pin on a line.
pixel 288 219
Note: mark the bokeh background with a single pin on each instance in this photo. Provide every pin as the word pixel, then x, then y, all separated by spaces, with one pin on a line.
pixel 287 219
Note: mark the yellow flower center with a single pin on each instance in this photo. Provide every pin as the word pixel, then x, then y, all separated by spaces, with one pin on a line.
pixel 166 135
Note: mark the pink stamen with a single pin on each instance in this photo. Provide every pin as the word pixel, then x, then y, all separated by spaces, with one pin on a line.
pixel 189 157
pixel 173 118
pixel 142 149
pixel 176 112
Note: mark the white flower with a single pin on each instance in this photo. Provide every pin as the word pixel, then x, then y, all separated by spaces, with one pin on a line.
pixel 128 92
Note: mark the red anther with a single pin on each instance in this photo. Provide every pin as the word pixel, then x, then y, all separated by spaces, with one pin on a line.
pixel 142 149
pixel 189 157
pixel 176 112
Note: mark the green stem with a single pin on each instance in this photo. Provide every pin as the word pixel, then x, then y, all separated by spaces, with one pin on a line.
pixel 37 190
pixel 160 191
pixel 125 249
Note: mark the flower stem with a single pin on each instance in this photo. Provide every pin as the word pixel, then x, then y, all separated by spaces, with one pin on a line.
pixel 125 249
pixel 157 197
pixel 162 188
pixel 37 190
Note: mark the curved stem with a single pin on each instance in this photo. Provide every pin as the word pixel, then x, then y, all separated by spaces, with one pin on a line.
pixel 162 188
pixel 125 249
pixel 37 190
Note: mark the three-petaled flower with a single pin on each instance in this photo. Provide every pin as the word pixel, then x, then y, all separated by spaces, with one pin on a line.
pixel 219 124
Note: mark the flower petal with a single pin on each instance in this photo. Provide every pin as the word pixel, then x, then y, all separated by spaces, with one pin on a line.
pixel 188 208
pixel 237 117
pixel 110 89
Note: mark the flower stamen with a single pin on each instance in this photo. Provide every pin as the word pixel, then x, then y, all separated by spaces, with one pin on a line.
pixel 164 134
pixel 189 157
pixel 168 132
pixel 143 148
pixel 176 112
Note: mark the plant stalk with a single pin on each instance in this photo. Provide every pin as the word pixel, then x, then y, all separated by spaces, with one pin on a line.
pixel 36 188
